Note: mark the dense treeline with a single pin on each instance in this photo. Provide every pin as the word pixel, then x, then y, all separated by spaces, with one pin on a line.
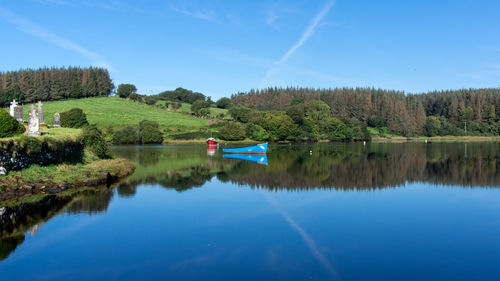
pixel 302 121
pixel 461 112
pixel 44 84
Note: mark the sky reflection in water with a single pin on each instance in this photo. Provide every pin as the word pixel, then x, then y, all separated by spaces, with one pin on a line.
pixel 346 212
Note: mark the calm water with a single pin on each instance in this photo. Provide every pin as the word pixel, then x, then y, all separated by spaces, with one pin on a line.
pixel 344 212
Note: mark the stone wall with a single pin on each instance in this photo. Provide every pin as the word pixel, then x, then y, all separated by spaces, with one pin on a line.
pixel 21 153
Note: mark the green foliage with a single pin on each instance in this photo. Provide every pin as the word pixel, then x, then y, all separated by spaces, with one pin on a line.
pixel 30 144
pixel 200 108
pixel 150 132
pixel 241 114
pixel 402 114
pixel 356 130
pixel 44 84
pixel 150 100
pixel 224 103
pixel 335 130
pixel 125 90
pixel 93 139
pixel 279 125
pixel 181 95
pixel 127 135
pixel 232 131
pixel 308 130
pixel 316 110
pixel 73 118
pixel 432 126
pixel 297 101
pixel 296 112
pixel 256 132
pixel 9 125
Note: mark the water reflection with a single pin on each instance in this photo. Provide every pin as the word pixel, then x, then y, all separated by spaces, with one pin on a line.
pixel 342 166
pixel 339 233
pixel 259 159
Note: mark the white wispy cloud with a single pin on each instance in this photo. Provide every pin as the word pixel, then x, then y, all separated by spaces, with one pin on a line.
pixel 202 15
pixel 303 38
pixel 57 2
pixel 35 30
pixel 271 19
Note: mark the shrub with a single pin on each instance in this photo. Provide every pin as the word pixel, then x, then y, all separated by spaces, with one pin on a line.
pixel 224 103
pixel 93 139
pixel 73 118
pixel 125 90
pixel 127 135
pixel 232 131
pixel 30 144
pixel 241 114
pixel 9 125
pixel 150 132
pixel 200 108
pixel 256 132
pixel 149 100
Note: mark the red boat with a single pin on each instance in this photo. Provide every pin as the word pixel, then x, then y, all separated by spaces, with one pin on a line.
pixel 212 141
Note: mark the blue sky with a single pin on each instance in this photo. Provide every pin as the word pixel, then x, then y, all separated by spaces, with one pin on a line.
pixel 220 47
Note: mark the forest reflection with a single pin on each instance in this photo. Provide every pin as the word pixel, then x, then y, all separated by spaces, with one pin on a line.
pixel 343 166
pixel 335 166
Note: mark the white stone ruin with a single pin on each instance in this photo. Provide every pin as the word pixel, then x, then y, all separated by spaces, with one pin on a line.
pixel 33 123
pixel 57 120
pixel 13 105
pixel 16 111
pixel 41 114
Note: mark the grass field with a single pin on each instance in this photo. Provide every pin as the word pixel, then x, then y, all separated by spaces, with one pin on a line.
pixel 186 108
pixel 118 112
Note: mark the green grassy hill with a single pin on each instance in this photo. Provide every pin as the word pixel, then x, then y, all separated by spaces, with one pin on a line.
pixel 186 108
pixel 119 112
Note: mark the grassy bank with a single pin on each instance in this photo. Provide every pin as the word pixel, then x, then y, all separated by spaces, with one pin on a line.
pixel 438 139
pixel 118 112
pixel 33 183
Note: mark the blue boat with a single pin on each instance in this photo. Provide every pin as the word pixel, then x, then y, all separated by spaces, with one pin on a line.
pixel 256 149
pixel 257 158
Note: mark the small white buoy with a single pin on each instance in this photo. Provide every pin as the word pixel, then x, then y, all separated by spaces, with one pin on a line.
pixel 425 141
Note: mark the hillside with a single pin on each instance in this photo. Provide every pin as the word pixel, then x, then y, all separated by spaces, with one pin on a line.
pixel 119 112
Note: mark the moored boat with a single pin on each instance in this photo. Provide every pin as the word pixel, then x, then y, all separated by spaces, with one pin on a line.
pixel 256 149
pixel 211 141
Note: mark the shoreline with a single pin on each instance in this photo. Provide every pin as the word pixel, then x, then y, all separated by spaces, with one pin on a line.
pixel 373 140
pixel 17 189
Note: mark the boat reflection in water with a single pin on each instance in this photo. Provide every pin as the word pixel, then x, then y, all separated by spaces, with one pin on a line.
pixel 257 158
pixel 211 150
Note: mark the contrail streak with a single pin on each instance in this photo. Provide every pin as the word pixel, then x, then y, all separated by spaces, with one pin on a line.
pixel 305 236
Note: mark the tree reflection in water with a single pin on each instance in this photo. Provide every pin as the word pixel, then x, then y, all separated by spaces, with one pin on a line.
pixel 340 166
pixel 343 166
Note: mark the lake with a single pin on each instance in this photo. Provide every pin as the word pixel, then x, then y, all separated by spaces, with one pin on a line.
pixel 337 211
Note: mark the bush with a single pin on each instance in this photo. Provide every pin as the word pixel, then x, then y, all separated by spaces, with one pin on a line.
pixel 256 132
pixel 149 100
pixel 73 118
pixel 200 108
pixel 127 135
pixel 9 125
pixel 241 114
pixel 232 131
pixel 150 132
pixel 224 103
pixel 93 139
pixel 125 90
